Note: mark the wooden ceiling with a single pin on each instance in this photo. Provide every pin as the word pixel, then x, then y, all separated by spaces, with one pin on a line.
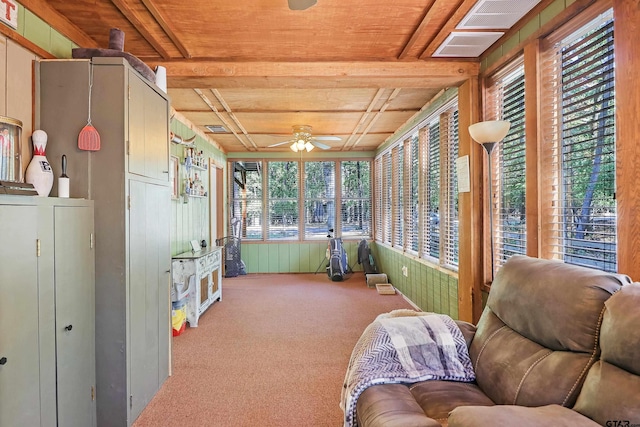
pixel 355 69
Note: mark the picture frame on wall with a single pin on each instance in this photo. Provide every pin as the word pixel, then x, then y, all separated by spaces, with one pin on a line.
pixel 174 176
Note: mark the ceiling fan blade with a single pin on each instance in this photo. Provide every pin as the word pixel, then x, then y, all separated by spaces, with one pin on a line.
pixel 320 145
pixel 301 4
pixel 327 138
pixel 279 143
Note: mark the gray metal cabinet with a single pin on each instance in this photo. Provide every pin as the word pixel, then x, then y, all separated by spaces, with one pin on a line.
pixel 128 180
pixel 47 346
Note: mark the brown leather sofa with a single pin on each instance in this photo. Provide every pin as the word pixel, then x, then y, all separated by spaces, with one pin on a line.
pixel 536 352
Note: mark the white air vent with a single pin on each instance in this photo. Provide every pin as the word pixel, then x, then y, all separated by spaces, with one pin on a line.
pixel 216 128
pixel 496 14
pixel 467 44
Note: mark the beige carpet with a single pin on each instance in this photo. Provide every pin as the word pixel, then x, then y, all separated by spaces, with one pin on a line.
pixel 273 353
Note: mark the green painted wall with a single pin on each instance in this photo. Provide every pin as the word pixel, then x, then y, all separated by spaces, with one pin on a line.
pixel 43 35
pixel 190 215
pixel 432 289
pixel 294 257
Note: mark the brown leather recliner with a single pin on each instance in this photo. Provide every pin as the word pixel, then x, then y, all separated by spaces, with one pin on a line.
pixel 533 346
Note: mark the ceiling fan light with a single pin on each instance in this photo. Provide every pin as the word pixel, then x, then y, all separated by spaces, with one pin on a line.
pixel 300 144
pixel 294 147
pixel 308 146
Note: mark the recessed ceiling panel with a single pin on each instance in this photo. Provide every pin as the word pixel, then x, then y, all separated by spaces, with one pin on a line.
pixel 467 44
pixel 496 14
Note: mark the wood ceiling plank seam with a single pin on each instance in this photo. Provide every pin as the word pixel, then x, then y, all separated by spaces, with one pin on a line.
pixel 373 102
pixel 233 117
pixel 377 115
pixel 134 18
pixel 182 119
pixel 451 22
pixel 364 116
pixel 428 16
pixel 222 119
pixel 49 14
pixel 166 27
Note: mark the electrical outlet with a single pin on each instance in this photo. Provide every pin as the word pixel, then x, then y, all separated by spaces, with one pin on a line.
pixel 405 272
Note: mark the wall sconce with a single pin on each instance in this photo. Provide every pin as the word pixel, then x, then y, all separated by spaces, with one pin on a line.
pixel 488 134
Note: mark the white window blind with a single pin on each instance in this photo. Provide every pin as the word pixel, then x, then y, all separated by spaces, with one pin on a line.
pixel 397 159
pixel 413 174
pixel 449 218
pixel 387 193
pixel 507 95
pixel 282 203
pixel 319 199
pixel 580 130
pixel 432 201
pixel 379 199
pixel 356 199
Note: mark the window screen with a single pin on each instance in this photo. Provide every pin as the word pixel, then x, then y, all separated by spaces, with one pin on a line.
pixel 282 203
pixel 246 198
pixel 319 199
pixel 356 199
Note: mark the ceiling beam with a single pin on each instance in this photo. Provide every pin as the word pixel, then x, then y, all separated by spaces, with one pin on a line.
pixel 426 19
pixel 380 74
pixel 153 10
pixel 43 10
pixel 451 22
pixel 141 26
pixel 267 111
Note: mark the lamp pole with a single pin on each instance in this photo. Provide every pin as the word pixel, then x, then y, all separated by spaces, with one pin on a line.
pixel 488 146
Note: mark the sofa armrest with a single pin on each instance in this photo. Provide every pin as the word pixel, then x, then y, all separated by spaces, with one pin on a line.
pixel 521 416
pixel 468 330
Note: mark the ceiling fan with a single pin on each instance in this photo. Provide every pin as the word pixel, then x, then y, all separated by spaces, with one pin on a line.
pixel 301 4
pixel 302 139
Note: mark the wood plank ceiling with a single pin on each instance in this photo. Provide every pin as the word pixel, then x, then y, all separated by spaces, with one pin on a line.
pixel 354 69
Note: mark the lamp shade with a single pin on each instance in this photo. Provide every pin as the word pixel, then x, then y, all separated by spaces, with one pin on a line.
pixel 489 131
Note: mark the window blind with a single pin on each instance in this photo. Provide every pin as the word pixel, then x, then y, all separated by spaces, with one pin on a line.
pixel 432 202
pixel 413 218
pixel 379 199
pixel 450 183
pixel 397 158
pixel 581 133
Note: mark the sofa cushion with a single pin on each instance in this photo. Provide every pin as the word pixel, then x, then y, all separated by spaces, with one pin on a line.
pixel 509 416
pixel 438 398
pixel 391 405
pixel 538 334
pixel 612 388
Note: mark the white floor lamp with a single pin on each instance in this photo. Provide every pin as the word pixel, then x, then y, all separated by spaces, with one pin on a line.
pixel 488 134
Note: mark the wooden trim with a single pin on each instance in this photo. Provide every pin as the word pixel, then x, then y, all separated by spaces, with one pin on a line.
pixel 558 21
pixel 470 208
pixel 153 10
pixel 384 74
pixel 26 43
pixel 132 16
pixel 532 105
pixel 43 10
pixel 627 27
pixel 428 16
pixel 181 118
pixel 451 22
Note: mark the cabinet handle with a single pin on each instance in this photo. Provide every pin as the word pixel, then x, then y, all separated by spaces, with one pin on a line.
pixel 68 328
pixel 165 172
pixel 3 360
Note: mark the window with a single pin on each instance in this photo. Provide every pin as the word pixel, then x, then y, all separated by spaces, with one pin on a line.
pixel 319 199
pixel 282 203
pixel 432 201
pixel 413 173
pixel 356 199
pixel 246 198
pixel 506 94
pixel 450 207
pixel 416 200
pixel 581 208
pixel 301 200
pixel 397 158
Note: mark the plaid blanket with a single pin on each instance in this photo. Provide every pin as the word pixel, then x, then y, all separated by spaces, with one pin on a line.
pixel 396 350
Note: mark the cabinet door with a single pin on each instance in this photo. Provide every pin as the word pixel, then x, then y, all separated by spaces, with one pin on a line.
pixel 148 131
pixel 19 375
pixel 149 296
pixel 75 316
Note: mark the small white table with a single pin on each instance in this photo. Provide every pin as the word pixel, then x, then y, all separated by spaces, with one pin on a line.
pixel 197 275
